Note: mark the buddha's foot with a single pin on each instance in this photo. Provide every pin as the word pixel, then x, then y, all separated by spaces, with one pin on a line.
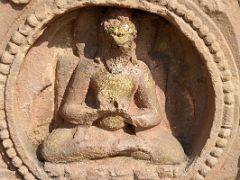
pixel 163 148
pixel 81 143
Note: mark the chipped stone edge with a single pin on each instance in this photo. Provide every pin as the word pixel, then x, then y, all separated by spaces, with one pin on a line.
pixel 20 1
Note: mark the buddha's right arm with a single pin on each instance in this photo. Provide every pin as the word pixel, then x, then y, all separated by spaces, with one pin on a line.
pixel 73 108
pixel 80 114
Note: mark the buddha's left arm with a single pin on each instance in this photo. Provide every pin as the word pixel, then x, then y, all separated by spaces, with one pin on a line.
pixel 148 114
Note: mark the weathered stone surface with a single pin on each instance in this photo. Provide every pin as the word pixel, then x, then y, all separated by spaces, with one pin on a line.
pixel 116 89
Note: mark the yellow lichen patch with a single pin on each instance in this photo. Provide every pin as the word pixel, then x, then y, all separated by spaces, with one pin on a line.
pixel 114 86
pixel 148 81
pixel 119 28
pixel 122 31
pixel 122 39
pixel 112 122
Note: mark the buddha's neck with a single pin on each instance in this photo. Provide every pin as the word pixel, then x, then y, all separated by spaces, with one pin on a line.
pixel 115 59
pixel 113 52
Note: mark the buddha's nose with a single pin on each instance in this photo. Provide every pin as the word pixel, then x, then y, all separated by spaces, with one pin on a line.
pixel 122 29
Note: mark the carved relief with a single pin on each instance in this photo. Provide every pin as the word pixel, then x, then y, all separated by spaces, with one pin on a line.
pixel 215 6
pixel 116 93
pixel 114 87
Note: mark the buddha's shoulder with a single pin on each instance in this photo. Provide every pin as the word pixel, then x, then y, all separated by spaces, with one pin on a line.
pixel 143 67
pixel 86 66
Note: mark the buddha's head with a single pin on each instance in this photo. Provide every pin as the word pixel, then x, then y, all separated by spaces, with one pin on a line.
pixel 119 28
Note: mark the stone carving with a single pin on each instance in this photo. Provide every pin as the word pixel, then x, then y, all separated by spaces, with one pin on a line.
pixel 210 110
pixel 215 6
pixel 20 1
pixel 115 79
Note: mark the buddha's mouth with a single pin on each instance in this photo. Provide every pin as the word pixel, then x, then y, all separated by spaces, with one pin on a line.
pixel 121 40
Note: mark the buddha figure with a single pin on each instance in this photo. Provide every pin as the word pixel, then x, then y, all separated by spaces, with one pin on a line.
pixel 111 106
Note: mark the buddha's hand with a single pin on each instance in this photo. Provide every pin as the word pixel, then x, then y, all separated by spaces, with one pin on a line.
pixel 106 105
pixel 79 114
pixel 112 123
pixel 123 104
pixel 144 118
pixel 137 121
pixel 87 118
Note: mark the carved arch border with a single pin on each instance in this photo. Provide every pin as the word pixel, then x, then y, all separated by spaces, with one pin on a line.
pixel 183 14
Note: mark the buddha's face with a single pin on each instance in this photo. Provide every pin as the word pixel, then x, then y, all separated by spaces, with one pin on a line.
pixel 121 30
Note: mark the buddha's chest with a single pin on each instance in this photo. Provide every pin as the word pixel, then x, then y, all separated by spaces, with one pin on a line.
pixel 114 86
